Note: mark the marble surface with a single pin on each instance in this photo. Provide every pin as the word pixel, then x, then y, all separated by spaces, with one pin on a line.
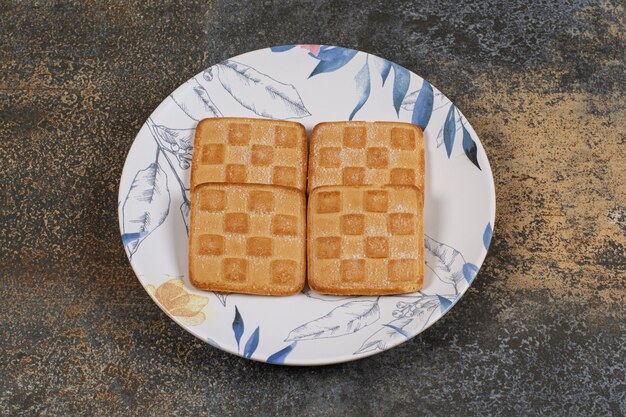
pixel 541 332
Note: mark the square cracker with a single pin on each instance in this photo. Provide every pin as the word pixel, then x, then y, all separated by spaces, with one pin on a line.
pixel 365 240
pixel 250 151
pixel 366 153
pixel 247 238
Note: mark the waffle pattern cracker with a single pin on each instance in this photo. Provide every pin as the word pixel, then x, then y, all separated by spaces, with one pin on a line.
pixel 250 151
pixel 247 238
pixel 366 153
pixel 365 240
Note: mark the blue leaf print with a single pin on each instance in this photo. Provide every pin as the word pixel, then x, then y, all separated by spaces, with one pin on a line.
pixel 397 329
pixel 281 355
pixel 445 303
pixel 238 326
pixel 384 73
pixel 469 146
pixel 423 106
pixel 363 86
pixel 401 80
pixel 328 53
pixel 449 131
pixel 131 237
pixel 282 48
pixel 487 235
pixel 251 344
pixel 322 49
pixel 469 272
pixel 332 59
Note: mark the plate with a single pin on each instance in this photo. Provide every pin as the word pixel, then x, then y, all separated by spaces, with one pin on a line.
pixel 308 84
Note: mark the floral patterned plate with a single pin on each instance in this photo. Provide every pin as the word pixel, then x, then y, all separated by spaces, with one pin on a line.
pixel 309 84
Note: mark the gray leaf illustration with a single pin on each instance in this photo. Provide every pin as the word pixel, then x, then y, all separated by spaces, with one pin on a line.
pixel 409 100
pixel 387 335
pixel 323 297
pixel 400 329
pixel 346 319
pixel 260 93
pixel 178 141
pixel 445 261
pixel 184 210
pixel 197 105
pixel 146 206
pixel 222 297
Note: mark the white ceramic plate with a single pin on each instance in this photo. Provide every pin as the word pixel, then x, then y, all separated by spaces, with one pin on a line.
pixel 309 84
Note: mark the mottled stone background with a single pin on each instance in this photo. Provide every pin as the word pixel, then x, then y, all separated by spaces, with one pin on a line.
pixel 541 332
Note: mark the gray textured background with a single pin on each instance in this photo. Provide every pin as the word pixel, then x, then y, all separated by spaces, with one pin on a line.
pixel 541 331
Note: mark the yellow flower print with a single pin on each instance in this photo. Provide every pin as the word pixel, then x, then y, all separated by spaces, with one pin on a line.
pixel 185 307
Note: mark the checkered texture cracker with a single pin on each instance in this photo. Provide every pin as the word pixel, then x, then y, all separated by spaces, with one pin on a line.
pixel 247 239
pixel 250 151
pixel 366 240
pixel 366 153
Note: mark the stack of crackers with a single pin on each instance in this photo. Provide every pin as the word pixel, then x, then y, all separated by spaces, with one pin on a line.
pixel 365 223
pixel 249 228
